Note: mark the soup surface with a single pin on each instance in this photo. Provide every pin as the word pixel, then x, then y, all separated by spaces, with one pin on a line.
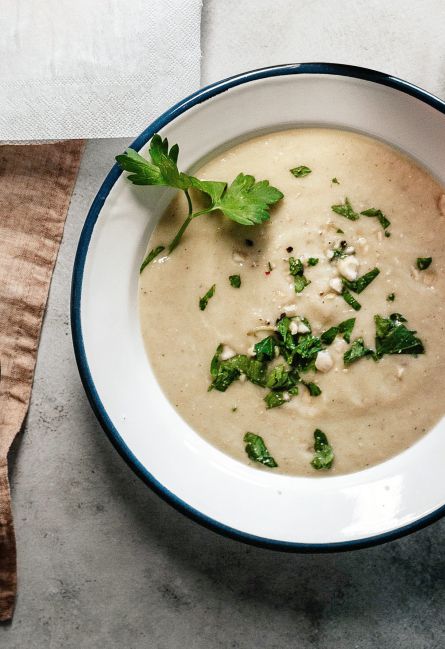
pixel 369 409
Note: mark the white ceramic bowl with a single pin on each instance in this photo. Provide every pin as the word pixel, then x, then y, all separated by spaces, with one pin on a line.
pixel 291 513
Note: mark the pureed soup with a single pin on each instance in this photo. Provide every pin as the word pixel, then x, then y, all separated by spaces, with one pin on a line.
pixel 319 331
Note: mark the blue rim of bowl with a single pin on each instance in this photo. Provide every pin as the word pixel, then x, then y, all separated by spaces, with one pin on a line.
pixel 76 295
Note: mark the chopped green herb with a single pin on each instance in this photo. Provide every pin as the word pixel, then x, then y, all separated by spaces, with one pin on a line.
pixel 391 297
pixel 362 282
pixel 393 337
pixel 387 234
pixel 356 351
pixel 257 451
pixel 215 362
pixel 308 346
pixel 324 455
pixel 274 400
pixel 340 231
pixel 372 211
pixel 300 283
pixel 299 350
pixel 225 372
pixel 151 255
pixel 245 201
pixel 301 171
pixel 312 261
pixel 234 409
pixel 296 269
pixel 345 209
pixel 350 299
pixel 282 378
pixel 313 388
pixel 339 253
pixel 295 266
pixel 335 181
pixel 235 281
pixel 270 267
pixel 255 370
pixel 345 328
pixel 423 262
pixel 205 299
pixel 265 349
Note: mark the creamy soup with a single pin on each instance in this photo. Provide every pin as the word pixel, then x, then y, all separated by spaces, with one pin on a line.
pixel 369 409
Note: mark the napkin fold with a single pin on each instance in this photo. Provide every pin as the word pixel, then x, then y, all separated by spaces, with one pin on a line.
pixel 94 68
pixel 35 189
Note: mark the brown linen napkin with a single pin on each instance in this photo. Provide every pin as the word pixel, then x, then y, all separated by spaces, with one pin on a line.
pixel 36 183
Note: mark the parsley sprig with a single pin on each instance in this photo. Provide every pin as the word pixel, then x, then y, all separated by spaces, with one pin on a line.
pixel 244 201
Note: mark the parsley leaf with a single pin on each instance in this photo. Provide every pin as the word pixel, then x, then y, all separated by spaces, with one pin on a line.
pixel 162 169
pixel 350 299
pixel 257 451
pixel 345 209
pixel 384 222
pixel 301 171
pixel 151 255
pixel 391 297
pixel 296 269
pixel 362 282
pixel 281 378
pixel 274 400
pixel 345 328
pixel 313 388
pixel 213 189
pixel 225 372
pixel 423 262
pixel 356 351
pixel 246 201
pixel 306 350
pixel 335 181
pixel 235 281
pixel 265 349
pixel 215 362
pixel 324 455
pixel 312 261
pixel 393 337
pixel 205 299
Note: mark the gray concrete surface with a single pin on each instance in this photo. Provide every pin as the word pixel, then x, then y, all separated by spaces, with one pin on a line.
pixel 105 564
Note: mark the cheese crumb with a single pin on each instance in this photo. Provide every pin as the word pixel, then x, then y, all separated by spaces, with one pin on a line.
pixel 293 327
pixel 324 361
pixel 290 310
pixel 348 268
pixel 227 353
pixel 336 285
pixel 251 351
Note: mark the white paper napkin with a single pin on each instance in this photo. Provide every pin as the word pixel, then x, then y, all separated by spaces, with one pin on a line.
pixel 404 38
pixel 94 68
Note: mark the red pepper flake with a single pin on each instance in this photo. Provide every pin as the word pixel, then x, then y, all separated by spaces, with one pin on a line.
pixel 267 272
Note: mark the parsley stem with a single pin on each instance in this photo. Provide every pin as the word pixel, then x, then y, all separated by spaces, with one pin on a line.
pixel 189 201
pixel 183 228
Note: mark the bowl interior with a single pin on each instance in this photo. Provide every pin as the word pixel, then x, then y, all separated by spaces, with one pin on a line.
pixel 253 504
